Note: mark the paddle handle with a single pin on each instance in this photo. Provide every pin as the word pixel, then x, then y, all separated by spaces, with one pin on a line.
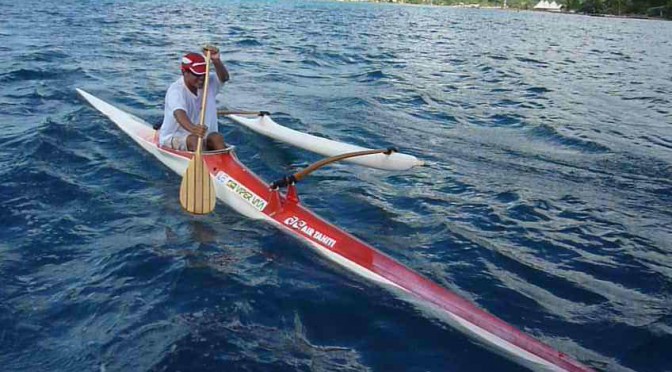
pixel 204 99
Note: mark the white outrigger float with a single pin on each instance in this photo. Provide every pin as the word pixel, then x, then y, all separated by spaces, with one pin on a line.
pixel 262 123
pixel 244 192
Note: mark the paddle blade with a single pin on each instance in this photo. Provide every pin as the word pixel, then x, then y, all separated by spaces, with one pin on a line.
pixel 197 192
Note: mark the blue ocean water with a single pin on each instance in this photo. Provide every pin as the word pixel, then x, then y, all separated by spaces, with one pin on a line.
pixel 547 199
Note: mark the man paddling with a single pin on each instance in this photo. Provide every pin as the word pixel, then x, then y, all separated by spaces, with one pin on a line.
pixel 180 129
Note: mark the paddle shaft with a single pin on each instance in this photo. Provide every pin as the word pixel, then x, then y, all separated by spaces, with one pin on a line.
pixel 204 100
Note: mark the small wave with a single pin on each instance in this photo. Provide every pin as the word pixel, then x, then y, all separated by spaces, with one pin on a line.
pixel 547 133
pixel 506 120
pixel 527 213
pixel 499 58
pixel 443 117
pixel 507 102
pixel 538 90
pixel 340 58
pixel 414 100
pixel 508 197
pixel 46 93
pixel 352 102
pixel 502 90
pixel 458 61
pixel 47 55
pixel 25 74
pixel 273 343
pixel 312 76
pixel 382 56
pixel 43 186
pixel 235 30
pixel 248 43
pixel 372 76
pixel 311 63
pixel 660 141
pixel 533 61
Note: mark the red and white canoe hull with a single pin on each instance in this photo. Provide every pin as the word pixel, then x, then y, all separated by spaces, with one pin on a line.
pixel 243 191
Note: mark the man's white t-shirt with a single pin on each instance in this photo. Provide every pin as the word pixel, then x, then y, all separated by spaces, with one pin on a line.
pixel 179 97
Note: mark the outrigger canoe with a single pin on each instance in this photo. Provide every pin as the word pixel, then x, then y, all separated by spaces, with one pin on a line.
pixel 247 194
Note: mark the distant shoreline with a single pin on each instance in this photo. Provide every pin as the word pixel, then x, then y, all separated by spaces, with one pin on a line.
pixel 479 6
pixel 596 15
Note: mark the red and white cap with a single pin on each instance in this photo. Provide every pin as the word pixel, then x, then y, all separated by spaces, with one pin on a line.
pixel 194 62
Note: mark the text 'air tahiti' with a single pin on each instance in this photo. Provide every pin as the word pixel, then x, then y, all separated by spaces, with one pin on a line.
pixel 301 225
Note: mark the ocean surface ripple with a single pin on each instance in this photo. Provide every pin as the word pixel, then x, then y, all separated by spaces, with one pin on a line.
pixel 547 199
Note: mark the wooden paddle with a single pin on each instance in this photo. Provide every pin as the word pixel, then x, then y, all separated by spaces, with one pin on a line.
pixel 197 192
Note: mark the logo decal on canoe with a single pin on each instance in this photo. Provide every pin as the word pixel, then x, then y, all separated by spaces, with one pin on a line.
pixel 240 190
pixel 298 224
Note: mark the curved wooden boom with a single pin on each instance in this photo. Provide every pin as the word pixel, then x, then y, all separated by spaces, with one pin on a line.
pixel 296 177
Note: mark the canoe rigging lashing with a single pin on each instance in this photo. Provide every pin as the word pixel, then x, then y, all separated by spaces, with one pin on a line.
pixel 243 191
